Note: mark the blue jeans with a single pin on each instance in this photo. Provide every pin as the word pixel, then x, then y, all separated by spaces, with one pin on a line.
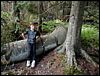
pixel 32 48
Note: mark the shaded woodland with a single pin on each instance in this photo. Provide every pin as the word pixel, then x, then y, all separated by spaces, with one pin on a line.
pixel 69 31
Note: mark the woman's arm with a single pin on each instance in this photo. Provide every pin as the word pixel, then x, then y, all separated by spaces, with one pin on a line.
pixel 23 35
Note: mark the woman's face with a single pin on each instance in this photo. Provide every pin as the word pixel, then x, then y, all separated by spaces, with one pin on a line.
pixel 32 27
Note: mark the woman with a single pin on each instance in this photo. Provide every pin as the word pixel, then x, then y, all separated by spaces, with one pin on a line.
pixel 31 34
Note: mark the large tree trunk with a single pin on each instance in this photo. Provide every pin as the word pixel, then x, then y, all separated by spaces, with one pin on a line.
pixel 74 32
pixel 72 42
pixel 17 51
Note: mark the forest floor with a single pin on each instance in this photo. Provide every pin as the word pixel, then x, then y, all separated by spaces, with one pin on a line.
pixel 49 64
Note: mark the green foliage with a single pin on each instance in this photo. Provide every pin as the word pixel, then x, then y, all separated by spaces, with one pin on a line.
pixel 50 25
pixel 91 12
pixel 32 9
pixel 21 4
pixel 6 35
pixel 90 36
pixel 6 15
pixel 27 5
pixel 28 9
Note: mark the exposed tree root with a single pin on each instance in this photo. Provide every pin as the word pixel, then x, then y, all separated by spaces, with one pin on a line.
pixel 88 58
pixel 71 56
pixel 58 48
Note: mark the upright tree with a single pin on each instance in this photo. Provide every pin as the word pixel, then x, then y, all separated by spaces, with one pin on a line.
pixel 40 9
pixel 74 32
pixel 63 7
pixel 72 42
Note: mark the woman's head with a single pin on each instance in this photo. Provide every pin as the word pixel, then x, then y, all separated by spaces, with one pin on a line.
pixel 33 25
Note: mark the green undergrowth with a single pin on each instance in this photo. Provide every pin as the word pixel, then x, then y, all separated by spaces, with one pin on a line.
pixel 90 36
pixel 50 25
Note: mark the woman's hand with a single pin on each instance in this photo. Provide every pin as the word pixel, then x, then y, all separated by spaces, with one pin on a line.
pixel 23 35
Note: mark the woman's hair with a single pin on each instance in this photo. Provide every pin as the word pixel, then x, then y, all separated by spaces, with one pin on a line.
pixel 33 23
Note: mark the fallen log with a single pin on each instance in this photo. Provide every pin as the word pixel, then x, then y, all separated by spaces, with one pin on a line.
pixel 18 50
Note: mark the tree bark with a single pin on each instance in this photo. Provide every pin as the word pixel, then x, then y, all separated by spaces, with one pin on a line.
pixel 63 7
pixel 74 32
pixel 40 9
pixel 72 42
pixel 17 51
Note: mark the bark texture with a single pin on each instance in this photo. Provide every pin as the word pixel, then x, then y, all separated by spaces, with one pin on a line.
pixel 72 42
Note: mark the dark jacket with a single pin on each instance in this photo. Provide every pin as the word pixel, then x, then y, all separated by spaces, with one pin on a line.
pixel 32 35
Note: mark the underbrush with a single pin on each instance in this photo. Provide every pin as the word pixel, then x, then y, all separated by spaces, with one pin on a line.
pixel 50 25
pixel 90 36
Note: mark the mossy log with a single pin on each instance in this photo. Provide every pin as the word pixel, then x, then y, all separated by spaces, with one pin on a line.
pixel 18 50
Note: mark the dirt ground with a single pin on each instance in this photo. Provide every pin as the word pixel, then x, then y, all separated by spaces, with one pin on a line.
pixel 47 64
pixel 50 64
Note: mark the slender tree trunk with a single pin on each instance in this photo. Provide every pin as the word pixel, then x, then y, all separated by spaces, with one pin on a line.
pixel 57 10
pixel 63 7
pixel 13 10
pixel 14 6
pixel 16 11
pixel 74 32
pixel 40 8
